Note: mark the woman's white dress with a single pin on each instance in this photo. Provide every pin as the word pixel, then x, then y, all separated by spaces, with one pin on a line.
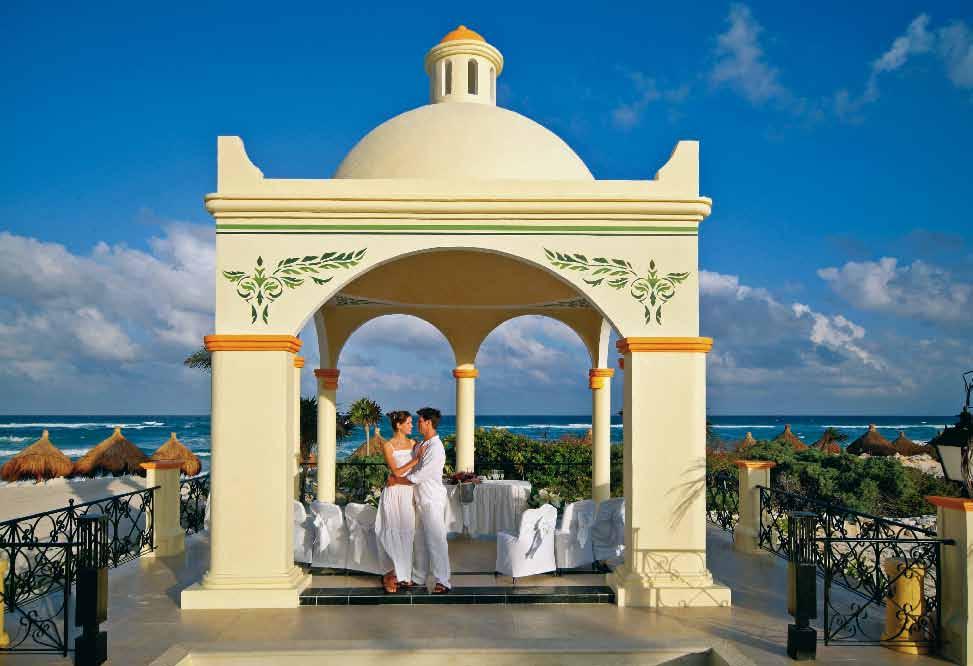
pixel 396 521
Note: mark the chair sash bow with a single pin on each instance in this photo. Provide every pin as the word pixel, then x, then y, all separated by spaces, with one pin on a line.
pixel 543 529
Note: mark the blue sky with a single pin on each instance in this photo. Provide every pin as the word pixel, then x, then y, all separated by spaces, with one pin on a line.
pixel 837 264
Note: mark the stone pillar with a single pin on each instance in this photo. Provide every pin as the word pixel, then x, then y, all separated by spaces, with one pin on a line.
pixel 327 434
pixel 251 544
pixel 752 473
pixel 954 520
pixel 296 416
pixel 665 476
pixel 168 537
pixel 4 567
pixel 465 391
pixel 599 381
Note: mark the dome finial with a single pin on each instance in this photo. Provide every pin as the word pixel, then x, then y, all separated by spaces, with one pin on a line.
pixel 463 67
pixel 462 32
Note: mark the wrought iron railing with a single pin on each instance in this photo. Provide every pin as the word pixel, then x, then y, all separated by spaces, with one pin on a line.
pixel 129 530
pixel 833 521
pixel 723 500
pixel 38 619
pixel 896 586
pixel 193 498
pixel 868 556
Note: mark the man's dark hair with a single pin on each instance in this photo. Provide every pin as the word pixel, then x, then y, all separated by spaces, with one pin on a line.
pixel 430 414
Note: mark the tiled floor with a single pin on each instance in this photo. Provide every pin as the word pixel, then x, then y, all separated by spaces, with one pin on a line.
pixel 145 619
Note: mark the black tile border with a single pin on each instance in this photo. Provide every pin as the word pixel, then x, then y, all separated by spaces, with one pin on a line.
pixel 534 594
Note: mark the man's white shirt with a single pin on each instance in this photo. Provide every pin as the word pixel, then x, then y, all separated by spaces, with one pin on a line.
pixel 428 474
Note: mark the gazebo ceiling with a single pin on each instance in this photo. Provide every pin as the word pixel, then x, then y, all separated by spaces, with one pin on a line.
pixel 460 278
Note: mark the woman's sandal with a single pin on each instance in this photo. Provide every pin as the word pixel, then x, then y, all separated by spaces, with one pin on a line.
pixel 440 589
pixel 390 584
pixel 406 585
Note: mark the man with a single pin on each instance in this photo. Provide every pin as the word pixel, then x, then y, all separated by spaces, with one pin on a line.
pixel 431 552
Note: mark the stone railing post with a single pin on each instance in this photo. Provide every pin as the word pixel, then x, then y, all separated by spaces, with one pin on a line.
pixel 4 567
pixel 954 520
pixel 752 473
pixel 168 536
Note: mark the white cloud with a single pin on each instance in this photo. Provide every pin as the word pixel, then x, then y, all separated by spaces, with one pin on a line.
pixel 97 323
pixel 956 49
pixel 629 114
pixel 741 64
pixel 919 289
pixel 953 44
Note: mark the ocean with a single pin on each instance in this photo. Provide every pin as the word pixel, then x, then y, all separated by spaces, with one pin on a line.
pixel 74 435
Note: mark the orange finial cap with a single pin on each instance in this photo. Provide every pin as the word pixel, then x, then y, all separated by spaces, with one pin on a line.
pixel 461 32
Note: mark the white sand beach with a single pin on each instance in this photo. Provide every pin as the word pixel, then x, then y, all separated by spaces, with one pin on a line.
pixel 26 497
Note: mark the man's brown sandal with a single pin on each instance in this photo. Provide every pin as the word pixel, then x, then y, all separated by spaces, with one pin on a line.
pixel 440 589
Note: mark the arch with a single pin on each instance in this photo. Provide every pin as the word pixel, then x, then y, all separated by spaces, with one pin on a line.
pixel 472 84
pixel 338 340
pixel 342 281
pixel 590 345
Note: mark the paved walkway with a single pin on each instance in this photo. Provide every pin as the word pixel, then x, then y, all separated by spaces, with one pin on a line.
pixel 145 619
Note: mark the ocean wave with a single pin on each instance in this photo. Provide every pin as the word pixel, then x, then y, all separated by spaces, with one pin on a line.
pixel 901 426
pixel 13 439
pixel 740 427
pixel 9 452
pixel 203 454
pixel 153 423
pixel 78 426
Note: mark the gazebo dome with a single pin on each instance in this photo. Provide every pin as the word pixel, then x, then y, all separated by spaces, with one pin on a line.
pixel 463 134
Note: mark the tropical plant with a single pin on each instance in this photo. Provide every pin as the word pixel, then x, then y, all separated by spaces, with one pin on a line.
pixel 366 413
pixel 200 359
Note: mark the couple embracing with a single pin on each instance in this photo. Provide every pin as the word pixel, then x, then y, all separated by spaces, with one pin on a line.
pixel 411 522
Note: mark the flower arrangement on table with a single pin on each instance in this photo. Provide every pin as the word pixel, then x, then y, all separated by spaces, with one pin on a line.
pixel 462 477
pixel 545 496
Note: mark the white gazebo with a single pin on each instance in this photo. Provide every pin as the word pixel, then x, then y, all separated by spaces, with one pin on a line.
pixel 465 215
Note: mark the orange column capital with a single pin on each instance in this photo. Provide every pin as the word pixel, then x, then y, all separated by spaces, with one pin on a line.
pixel 329 376
pixel 287 343
pixel 660 344
pixel 598 377
pixel 298 361
pixel 466 373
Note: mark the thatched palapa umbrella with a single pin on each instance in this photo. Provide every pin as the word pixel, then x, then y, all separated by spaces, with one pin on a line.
pixel 175 450
pixel 41 460
pixel 788 437
pixel 906 447
pixel 871 443
pixel 115 455
pixel 374 445
pixel 746 442
pixel 829 441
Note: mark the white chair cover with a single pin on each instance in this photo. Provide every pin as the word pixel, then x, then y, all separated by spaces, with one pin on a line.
pixel 531 551
pixel 331 538
pixel 303 535
pixel 364 553
pixel 572 542
pixel 608 532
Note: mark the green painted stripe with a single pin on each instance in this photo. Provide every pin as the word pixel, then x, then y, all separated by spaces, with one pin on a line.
pixel 406 228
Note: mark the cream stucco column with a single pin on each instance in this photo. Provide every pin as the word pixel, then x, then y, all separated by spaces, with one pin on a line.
pixel 954 520
pixel 465 392
pixel 752 475
pixel 296 421
pixel 665 476
pixel 599 381
pixel 168 536
pixel 327 434
pixel 251 536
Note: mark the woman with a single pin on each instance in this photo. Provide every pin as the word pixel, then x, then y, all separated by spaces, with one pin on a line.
pixel 396 520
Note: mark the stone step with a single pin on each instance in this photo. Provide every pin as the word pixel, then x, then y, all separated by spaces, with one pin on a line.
pixel 539 594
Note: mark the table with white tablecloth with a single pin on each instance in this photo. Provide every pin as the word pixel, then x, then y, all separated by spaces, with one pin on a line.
pixel 497 506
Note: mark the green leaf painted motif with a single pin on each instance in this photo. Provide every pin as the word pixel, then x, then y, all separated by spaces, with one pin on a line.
pixel 652 290
pixel 259 288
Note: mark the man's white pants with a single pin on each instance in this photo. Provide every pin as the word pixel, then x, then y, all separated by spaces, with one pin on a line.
pixel 431 550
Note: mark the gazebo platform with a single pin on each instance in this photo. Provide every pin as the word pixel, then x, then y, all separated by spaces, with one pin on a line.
pixel 146 625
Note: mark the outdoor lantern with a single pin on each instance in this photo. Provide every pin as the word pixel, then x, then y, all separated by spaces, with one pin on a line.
pixel 91 608
pixel 955 444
